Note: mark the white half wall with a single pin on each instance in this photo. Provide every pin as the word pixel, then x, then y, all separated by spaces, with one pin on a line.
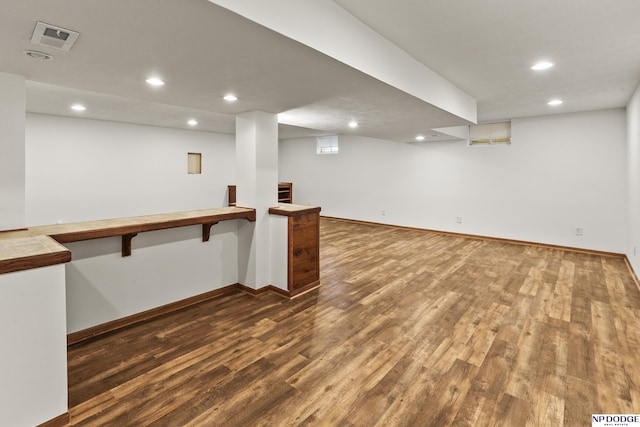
pixel 33 360
pixel 559 173
pixel 80 169
pixel 633 159
pixel 279 251
pixel 165 266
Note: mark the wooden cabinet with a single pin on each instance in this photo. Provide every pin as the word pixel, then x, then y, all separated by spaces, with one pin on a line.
pixel 285 193
pixel 303 246
pixel 304 252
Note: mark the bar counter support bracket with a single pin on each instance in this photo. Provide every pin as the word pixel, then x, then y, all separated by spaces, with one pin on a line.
pixel 206 230
pixel 126 243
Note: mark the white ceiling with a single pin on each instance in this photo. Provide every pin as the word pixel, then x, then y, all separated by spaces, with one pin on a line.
pixel 203 51
pixel 486 47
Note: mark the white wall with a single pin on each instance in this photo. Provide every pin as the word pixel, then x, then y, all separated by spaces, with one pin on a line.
pixel 12 151
pixel 633 158
pixel 33 360
pixel 560 172
pixel 79 169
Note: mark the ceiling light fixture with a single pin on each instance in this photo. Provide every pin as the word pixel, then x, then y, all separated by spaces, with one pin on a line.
pixel 78 107
pixel 230 97
pixel 353 124
pixel 554 102
pixel 155 81
pixel 420 138
pixel 543 65
pixel 37 55
pixel 192 122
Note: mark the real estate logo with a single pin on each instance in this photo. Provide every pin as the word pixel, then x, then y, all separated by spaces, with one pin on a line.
pixel 615 420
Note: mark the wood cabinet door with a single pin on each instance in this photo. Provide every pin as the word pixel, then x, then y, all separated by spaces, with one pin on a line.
pixel 304 251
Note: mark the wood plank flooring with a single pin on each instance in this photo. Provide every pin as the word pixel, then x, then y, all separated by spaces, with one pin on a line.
pixel 409 328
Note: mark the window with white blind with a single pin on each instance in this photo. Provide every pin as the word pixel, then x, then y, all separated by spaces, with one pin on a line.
pixel 490 134
pixel 327 144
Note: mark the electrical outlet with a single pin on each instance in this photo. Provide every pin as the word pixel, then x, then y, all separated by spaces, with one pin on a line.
pixel 634 251
pixel 459 219
pixel 383 212
pixel 579 231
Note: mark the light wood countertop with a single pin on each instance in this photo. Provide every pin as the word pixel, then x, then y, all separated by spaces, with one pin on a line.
pixel 21 250
pixel 40 246
pixel 290 209
pixel 74 232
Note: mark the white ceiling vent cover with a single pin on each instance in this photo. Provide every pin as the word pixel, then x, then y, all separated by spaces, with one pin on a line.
pixel 53 36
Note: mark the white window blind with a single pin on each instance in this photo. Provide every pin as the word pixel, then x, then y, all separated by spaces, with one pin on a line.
pixel 490 134
pixel 327 144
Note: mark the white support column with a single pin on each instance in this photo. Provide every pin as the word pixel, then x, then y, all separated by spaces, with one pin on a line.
pixel 12 151
pixel 257 187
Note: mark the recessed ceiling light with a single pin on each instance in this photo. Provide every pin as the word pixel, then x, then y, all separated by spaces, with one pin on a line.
pixel 543 65
pixel 37 55
pixel 554 102
pixel 353 124
pixel 420 138
pixel 230 97
pixel 192 122
pixel 78 107
pixel 155 81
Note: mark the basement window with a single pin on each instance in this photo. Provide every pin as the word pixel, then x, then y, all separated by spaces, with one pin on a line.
pixel 327 144
pixel 194 163
pixel 490 134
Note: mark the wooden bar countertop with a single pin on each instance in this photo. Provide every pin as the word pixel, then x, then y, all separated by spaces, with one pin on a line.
pixel 22 250
pixel 41 246
pixel 290 209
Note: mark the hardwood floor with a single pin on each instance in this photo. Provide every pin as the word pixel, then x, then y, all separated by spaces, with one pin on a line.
pixel 409 328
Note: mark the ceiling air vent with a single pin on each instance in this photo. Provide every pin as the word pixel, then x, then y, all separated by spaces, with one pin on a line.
pixel 53 36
